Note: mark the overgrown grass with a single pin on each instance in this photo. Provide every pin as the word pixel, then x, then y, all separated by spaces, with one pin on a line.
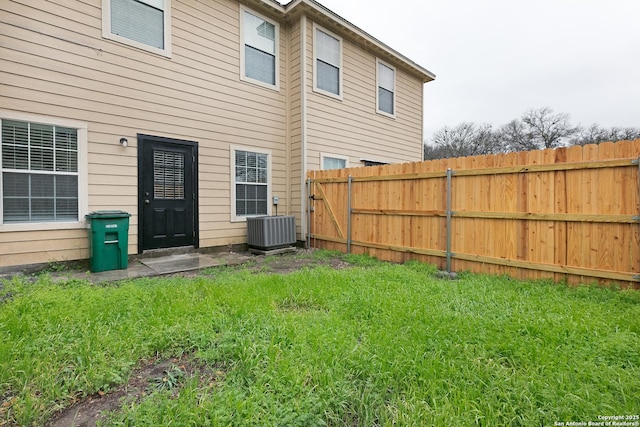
pixel 375 344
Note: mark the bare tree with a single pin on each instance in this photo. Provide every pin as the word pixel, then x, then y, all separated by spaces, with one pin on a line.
pixel 538 129
pixel 465 139
pixel 624 134
pixel 535 130
pixel 594 134
pixel 432 152
pixel 516 137
pixel 550 130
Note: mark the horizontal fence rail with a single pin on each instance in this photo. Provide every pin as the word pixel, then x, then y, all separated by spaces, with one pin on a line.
pixel 569 214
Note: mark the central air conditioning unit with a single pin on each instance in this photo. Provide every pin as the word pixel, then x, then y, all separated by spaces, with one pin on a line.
pixel 267 233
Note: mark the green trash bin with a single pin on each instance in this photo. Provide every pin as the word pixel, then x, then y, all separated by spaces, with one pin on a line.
pixel 108 240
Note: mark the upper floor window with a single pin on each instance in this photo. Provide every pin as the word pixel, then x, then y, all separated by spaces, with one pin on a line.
pixel 144 24
pixel 259 62
pixel 327 76
pixel 41 173
pixel 386 99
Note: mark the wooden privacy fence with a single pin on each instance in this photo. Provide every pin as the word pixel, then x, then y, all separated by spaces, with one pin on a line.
pixel 569 214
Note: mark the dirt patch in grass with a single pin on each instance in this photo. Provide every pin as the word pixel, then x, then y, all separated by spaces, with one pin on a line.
pixel 151 376
pixel 290 263
pixel 285 263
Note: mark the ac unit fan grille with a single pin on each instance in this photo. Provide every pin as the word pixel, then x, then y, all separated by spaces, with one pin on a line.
pixel 271 232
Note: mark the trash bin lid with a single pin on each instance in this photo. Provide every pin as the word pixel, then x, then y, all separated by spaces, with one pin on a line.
pixel 108 214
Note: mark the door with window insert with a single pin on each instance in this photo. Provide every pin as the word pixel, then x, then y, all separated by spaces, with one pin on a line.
pixel 167 173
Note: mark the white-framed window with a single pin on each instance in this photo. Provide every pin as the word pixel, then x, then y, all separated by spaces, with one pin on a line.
pixel 144 24
pixel 43 179
pixel 259 41
pixel 370 162
pixel 333 161
pixel 327 63
pixel 386 89
pixel 251 182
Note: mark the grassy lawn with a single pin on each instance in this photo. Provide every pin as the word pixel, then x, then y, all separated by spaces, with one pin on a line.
pixel 370 344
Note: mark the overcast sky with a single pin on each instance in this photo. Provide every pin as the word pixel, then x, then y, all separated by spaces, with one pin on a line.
pixel 495 59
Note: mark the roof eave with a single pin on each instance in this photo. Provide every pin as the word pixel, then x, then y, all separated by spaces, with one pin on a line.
pixel 312 7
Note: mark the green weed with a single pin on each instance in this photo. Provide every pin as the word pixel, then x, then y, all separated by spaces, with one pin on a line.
pixel 171 379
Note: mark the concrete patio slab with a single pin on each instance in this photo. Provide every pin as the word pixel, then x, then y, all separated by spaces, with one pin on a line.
pixel 177 263
pixel 149 267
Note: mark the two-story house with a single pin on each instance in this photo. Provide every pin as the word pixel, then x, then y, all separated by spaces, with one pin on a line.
pixel 189 114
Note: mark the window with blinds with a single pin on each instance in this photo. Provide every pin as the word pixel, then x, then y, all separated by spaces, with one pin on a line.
pixel 260 48
pixel 333 163
pixel 251 183
pixel 386 88
pixel 39 173
pixel 140 23
pixel 328 62
pixel 168 175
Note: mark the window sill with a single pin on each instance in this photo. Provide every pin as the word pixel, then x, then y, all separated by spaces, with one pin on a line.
pixel 327 94
pixel 385 114
pixel 141 46
pixel 275 88
pixel 244 218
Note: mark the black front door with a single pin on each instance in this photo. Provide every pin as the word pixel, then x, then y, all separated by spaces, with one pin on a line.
pixel 167 171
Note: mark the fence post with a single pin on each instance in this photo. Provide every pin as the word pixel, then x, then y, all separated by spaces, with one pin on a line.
pixel 449 214
pixel 309 213
pixel 349 214
pixel 637 277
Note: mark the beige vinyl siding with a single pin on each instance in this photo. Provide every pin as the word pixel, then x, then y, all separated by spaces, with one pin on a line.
pixel 54 62
pixel 295 189
pixel 19 248
pixel 351 127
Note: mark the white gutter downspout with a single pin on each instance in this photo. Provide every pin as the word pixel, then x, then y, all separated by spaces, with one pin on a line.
pixel 303 128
